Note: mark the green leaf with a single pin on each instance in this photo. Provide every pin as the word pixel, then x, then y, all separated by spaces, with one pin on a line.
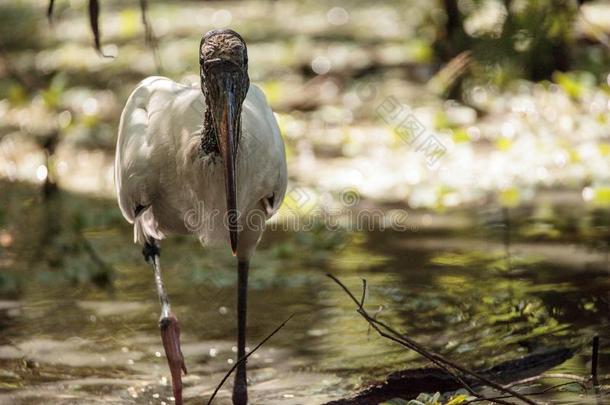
pixel 458 399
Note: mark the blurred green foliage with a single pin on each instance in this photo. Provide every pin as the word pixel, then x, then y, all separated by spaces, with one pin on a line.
pixel 512 39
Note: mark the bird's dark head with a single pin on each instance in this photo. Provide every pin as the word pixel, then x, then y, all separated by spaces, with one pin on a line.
pixel 223 62
pixel 223 54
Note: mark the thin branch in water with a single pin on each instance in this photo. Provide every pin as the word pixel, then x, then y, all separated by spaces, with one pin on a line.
pixel 363 292
pixel 451 372
pixel 436 358
pixel 571 377
pixel 544 391
pixel 373 324
pixel 594 359
pixel 244 358
pixel 594 363
pixel 368 331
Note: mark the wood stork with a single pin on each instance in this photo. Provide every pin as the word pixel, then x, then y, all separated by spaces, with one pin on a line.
pixel 182 155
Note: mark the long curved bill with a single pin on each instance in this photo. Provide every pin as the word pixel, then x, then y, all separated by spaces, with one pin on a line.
pixel 227 113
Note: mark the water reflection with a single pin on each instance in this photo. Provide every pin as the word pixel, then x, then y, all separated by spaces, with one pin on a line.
pixel 78 313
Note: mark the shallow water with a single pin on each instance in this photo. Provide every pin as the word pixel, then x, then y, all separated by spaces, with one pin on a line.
pixel 78 311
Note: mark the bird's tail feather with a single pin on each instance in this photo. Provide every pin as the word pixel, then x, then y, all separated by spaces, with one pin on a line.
pixel 145 228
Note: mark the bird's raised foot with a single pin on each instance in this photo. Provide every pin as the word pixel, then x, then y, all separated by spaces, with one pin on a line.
pixel 170 335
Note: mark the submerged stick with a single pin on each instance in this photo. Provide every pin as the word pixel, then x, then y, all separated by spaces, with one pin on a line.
pixel 436 358
pixel 244 358
pixel 544 391
pixel 408 343
pixel 594 359
pixel 574 379
pixel 594 366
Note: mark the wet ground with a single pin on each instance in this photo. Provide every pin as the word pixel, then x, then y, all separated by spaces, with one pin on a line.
pixel 78 310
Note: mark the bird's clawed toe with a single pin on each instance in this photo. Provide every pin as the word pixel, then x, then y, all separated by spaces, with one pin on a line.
pixel 170 335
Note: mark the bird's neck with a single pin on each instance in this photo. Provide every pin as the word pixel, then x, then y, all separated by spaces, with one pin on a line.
pixel 209 139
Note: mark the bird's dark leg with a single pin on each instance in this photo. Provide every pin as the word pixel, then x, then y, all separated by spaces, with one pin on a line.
pixel 240 389
pixel 168 323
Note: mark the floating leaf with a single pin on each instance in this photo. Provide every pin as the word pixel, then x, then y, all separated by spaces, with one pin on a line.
pixel 458 399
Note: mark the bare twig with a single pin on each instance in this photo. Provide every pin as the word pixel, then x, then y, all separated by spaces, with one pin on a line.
pixel 449 75
pixel 244 358
pixel 544 391
pixel 368 330
pixel 573 378
pixel 425 354
pixel 390 333
pixel 94 11
pixel 406 342
pixel 149 35
pixel 363 292
pixel 94 16
pixel 50 10
pixel 373 324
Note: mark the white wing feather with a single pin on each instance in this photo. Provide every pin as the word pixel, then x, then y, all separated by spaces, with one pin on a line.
pixel 160 165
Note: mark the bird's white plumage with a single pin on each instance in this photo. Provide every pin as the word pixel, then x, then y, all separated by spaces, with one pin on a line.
pixel 160 164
